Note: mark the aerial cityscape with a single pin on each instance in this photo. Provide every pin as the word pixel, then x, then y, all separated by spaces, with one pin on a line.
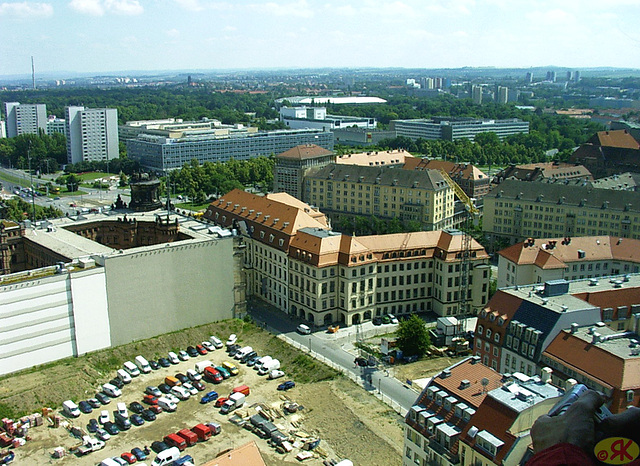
pixel 280 232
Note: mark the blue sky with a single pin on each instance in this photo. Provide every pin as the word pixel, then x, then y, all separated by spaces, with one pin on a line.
pixel 119 35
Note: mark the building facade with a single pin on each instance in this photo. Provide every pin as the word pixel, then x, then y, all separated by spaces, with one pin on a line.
pixel 349 191
pixel 541 260
pixel 292 165
pixel 295 262
pixel 452 129
pixel 92 134
pixel 163 153
pixel 473 181
pixel 25 118
pixel 517 210
pixel 317 118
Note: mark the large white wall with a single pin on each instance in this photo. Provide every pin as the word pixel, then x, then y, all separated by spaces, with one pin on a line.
pixel 169 287
pixel 40 323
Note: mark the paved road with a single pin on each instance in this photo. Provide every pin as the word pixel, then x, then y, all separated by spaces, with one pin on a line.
pixel 338 348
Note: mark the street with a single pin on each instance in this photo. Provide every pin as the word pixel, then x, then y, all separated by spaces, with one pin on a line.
pixel 338 348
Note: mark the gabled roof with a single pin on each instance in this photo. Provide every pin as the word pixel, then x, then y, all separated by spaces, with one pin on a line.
pixel 465 171
pixel 556 253
pixel 617 138
pixel 304 151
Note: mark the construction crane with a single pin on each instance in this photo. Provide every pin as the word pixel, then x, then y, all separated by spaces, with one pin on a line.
pixel 472 213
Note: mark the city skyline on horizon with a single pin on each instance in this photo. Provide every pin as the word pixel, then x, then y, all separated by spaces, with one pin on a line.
pixel 101 36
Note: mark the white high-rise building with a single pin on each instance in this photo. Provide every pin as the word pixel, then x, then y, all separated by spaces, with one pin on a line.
pixel 25 118
pixel 476 94
pixel 92 134
pixel 503 95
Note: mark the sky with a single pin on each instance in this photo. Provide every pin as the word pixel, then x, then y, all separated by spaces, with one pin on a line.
pixel 93 36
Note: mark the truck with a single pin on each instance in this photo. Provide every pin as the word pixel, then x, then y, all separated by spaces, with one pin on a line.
pixel 200 366
pixel 244 389
pixel 90 444
pixel 261 362
pixel 174 440
pixel 234 402
pixel 190 437
pixel 214 427
pixel 202 431
pixel 70 409
pixel 143 364
pixel 269 366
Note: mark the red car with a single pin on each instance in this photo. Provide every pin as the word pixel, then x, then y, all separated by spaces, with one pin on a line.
pixel 212 375
pixel 220 401
pixel 150 399
pixel 201 349
pixel 128 457
pixel 156 409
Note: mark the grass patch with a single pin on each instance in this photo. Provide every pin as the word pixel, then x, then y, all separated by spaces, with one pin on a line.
pixel 90 176
pixel 192 206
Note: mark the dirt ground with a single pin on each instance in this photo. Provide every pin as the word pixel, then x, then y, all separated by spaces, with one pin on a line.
pixel 424 368
pixel 340 413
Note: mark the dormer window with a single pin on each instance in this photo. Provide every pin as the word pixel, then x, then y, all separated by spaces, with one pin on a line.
pixel 480 329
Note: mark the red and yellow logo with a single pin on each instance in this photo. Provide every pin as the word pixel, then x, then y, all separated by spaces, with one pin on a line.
pixel 616 450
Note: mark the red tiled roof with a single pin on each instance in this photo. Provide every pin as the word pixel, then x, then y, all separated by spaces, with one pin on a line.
pixel 304 151
pixel 618 138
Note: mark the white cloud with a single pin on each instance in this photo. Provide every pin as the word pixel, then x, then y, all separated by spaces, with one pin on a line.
pixel 551 17
pixel 100 7
pixel 173 33
pixel 191 5
pixel 26 9
pixel 230 28
pixel 124 7
pixel 300 9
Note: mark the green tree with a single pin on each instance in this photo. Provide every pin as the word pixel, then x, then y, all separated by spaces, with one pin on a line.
pixel 413 337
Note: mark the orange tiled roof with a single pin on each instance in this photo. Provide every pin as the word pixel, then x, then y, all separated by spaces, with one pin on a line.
pixel 618 138
pixel 304 151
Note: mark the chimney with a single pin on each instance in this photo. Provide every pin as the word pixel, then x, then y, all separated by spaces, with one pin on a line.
pixel 545 375
pixel 574 327
pixel 595 338
pixel 475 359
pixel 569 384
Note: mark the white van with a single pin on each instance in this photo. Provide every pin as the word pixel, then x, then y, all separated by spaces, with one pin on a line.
pixel 122 409
pixel 143 364
pixel 109 462
pixel 167 456
pixel 70 409
pixel 173 358
pixel 166 404
pixel 304 329
pixel 193 375
pixel 200 366
pixel 124 376
pixel 215 341
pixel 131 369
pixel 111 390
pixel 181 392
pixel 241 353
pixel 269 366
pixel 261 362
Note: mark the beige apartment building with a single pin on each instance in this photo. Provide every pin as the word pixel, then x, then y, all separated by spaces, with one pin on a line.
pixel 541 260
pixel 385 192
pixel 297 263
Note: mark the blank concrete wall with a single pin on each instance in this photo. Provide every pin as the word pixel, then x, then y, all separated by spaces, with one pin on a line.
pixel 168 288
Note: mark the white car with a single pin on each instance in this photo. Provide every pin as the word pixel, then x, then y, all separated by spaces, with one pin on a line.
pixel 171 397
pixel 275 374
pixel 104 417
pixel 216 341
pixel 173 358
pixel 193 375
pixel 103 435
pixel 392 318
pixel 181 392
pixel 232 339
pixel 208 346
pixel 190 388
pixel 183 356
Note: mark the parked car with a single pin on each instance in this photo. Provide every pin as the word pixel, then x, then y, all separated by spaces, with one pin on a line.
pixel 232 339
pixel 94 402
pixel 233 349
pixel 208 346
pixel 150 399
pixel 139 454
pixel 154 365
pixel 129 457
pixel 198 385
pixel 136 407
pixel 164 388
pixel 212 375
pixel 289 384
pixel 224 372
pixel 181 377
pixel 103 435
pixel 360 361
pixel 377 320
pixel 148 415
pixel 251 362
pixel 152 390
pixel 386 319
pixel 207 397
pixel 232 368
pixel 171 397
pixel 201 350
pixel 192 351
pixel 183 355
pixel 104 417
pixel 173 358
pixel 102 398
pixel 190 388
pixel 111 428
pixel 93 426
pixel 180 392
pixel 164 362
pixel 85 407
pixel 155 409
pixel 193 375
pixel 158 446
pixel 220 401
pixel 275 374
pixel 392 319
pixel 248 356
pixel 216 341
pixel 136 420
pixel 117 382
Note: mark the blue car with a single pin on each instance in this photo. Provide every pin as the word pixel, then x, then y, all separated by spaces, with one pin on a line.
pixel 211 396
pixel 286 385
pixel 139 454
